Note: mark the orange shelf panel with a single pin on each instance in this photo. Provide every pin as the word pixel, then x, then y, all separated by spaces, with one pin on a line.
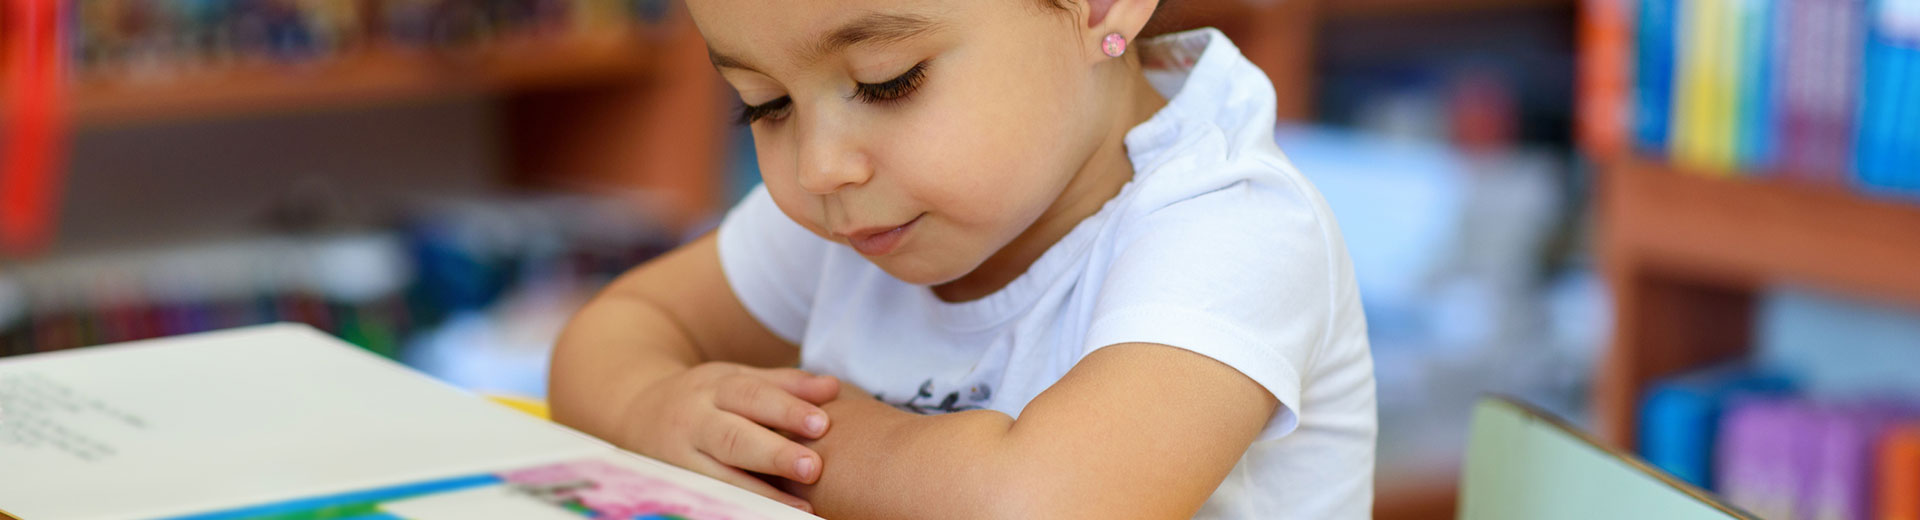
pixel 1752 232
pixel 1342 8
pixel 1432 498
pixel 380 75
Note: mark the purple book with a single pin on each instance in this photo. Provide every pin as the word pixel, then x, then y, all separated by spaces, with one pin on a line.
pixel 1845 477
pixel 1791 458
pixel 1756 457
pixel 1820 46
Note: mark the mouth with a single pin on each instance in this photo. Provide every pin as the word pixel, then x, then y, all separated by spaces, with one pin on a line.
pixel 878 241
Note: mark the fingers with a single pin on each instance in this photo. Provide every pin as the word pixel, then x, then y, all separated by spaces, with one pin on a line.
pixel 737 442
pixel 711 467
pixel 753 398
pixel 816 389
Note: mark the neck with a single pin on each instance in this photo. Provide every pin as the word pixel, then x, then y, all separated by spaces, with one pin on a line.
pixel 1099 179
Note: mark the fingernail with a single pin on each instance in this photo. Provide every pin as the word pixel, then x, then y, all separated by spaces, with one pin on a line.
pixel 803 506
pixel 816 423
pixel 804 468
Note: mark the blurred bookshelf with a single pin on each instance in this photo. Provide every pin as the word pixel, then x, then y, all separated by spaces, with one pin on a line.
pixel 1352 8
pixel 1757 179
pixel 1687 251
pixel 364 78
pixel 594 94
pixel 1291 41
pixel 389 171
pixel 1723 173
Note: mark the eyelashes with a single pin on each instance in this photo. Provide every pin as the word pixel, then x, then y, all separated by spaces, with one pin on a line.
pixel 882 93
pixel 776 109
pixel 894 89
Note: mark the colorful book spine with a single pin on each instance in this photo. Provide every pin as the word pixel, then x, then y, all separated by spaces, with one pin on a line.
pixel 1820 46
pixel 1692 83
pixel 1893 82
pixel 1793 458
pixel 1606 105
pixel 1755 139
pixel 1840 484
pixel 1845 48
pixel 1680 420
pixel 1819 90
pixel 157 38
pixel 1899 492
pixel 1655 29
pixel 1903 43
pixel 1797 47
pixel 1755 456
pixel 1724 74
pixel 33 123
pixel 1707 86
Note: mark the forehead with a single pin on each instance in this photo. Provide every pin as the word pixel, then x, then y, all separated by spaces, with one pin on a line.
pixel 764 33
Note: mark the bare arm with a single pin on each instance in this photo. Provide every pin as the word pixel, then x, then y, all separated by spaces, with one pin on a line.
pixel 1134 431
pixel 659 319
pixel 668 363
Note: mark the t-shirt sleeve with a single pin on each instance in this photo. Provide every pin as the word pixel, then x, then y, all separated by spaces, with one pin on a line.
pixel 772 264
pixel 1243 277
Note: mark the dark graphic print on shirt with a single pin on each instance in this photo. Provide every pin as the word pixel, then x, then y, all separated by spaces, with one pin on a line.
pixel 923 401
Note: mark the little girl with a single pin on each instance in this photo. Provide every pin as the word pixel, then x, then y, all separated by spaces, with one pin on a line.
pixel 1026 267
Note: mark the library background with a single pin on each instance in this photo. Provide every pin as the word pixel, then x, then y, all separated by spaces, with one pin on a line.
pixel 1691 227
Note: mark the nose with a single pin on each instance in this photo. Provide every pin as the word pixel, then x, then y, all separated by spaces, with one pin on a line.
pixel 830 157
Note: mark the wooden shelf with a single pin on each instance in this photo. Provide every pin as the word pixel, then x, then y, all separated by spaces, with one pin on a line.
pixel 621 110
pixel 1353 8
pixel 1685 253
pixel 1432 498
pixel 380 75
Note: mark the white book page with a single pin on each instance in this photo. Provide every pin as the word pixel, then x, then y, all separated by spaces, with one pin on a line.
pixel 222 420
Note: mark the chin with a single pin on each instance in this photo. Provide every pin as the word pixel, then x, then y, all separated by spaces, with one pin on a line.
pixel 919 272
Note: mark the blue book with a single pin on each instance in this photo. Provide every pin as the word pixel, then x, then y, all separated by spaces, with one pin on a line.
pixel 1681 417
pixel 1905 177
pixel 1870 146
pixel 1886 157
pixel 1757 141
pixel 1653 75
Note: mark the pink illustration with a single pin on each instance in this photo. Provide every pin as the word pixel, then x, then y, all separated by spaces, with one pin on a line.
pixel 612 492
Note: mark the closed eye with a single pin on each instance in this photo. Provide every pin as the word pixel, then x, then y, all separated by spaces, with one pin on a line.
pixel 772 110
pixel 894 89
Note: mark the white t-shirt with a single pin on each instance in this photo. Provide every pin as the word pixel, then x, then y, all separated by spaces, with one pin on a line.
pixel 1217 246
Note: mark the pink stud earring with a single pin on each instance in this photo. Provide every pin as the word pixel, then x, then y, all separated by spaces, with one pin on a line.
pixel 1114 45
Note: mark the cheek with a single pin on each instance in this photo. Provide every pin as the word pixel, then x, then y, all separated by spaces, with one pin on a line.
pixel 965 168
pixel 997 150
pixel 777 171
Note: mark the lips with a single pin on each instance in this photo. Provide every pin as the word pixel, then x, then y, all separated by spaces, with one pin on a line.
pixel 879 241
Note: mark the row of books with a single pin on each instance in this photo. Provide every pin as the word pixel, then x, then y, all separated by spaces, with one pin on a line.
pixel 1825 90
pixel 378 289
pixel 1749 436
pixel 168 35
pixel 352 286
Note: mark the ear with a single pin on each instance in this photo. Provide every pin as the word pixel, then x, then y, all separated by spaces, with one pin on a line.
pixel 1127 17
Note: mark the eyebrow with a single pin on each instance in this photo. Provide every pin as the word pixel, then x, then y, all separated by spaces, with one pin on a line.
pixel 871 28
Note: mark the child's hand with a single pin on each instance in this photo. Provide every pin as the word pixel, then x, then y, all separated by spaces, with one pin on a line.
pixel 721 418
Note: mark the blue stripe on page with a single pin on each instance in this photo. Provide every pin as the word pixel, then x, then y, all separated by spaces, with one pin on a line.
pixel 356 497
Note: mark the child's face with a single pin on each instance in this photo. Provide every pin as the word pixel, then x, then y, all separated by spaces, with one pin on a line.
pixel 937 134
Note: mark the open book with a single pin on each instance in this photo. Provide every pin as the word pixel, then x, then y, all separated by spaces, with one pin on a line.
pixel 283 421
